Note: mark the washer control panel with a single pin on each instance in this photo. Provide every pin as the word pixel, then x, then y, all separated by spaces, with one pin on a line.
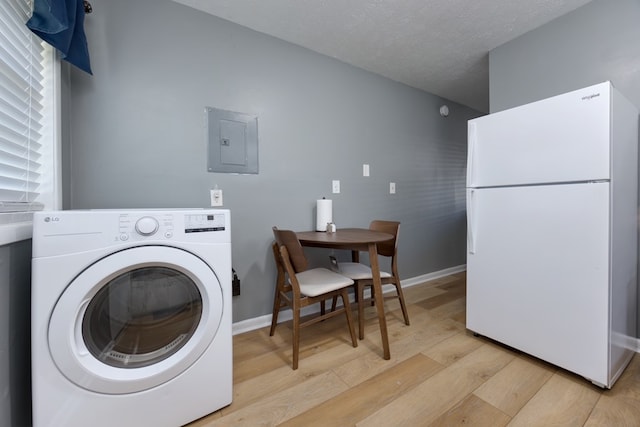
pixel 198 222
pixel 160 225
pixel 74 231
pixel 166 225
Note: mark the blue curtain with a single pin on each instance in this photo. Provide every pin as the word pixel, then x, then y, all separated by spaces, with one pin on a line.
pixel 61 24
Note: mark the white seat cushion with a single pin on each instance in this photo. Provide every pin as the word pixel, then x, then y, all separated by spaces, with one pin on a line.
pixel 318 281
pixel 357 271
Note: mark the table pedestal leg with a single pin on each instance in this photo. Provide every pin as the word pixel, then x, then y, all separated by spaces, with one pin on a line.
pixel 377 289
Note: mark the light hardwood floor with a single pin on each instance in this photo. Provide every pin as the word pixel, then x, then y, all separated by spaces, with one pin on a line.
pixel 439 375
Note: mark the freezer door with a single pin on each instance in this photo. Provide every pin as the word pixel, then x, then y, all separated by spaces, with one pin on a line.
pixel 559 139
pixel 538 272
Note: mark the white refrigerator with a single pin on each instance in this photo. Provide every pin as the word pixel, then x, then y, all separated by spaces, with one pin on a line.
pixel 552 214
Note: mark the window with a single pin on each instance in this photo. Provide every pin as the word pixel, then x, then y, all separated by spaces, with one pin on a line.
pixel 29 110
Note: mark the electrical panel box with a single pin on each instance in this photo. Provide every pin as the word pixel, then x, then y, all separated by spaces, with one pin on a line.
pixel 232 141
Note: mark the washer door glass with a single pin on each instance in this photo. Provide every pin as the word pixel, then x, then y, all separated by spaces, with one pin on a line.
pixel 137 318
pixel 142 317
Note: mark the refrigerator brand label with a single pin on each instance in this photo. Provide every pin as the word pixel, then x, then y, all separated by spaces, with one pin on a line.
pixel 588 97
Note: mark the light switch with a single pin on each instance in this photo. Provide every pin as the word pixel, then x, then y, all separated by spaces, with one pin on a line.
pixel 392 188
pixel 216 197
pixel 365 170
pixel 335 186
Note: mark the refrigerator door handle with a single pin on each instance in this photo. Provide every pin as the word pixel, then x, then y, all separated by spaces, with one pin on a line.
pixel 471 241
pixel 472 137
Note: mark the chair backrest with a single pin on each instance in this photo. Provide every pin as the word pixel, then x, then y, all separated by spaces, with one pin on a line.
pixel 276 256
pixel 389 247
pixel 288 239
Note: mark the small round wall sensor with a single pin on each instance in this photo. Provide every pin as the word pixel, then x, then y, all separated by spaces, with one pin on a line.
pixel 444 111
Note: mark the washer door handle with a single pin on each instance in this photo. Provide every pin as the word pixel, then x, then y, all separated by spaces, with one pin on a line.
pixel 80 346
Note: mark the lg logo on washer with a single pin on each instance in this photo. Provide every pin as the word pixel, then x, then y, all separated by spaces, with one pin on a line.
pixel 51 219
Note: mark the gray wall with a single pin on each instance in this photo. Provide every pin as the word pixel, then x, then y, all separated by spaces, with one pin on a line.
pixel 597 42
pixel 136 138
pixel 15 344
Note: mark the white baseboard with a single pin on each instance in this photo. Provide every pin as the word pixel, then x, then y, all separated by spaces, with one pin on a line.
pixel 285 315
pixel 432 276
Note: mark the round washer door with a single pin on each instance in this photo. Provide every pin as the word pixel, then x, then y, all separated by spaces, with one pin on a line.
pixel 135 319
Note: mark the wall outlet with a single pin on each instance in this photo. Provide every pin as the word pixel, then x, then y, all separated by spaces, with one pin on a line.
pixel 335 186
pixel 216 197
pixel 392 188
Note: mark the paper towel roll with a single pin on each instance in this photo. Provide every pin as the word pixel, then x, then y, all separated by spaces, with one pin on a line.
pixel 324 214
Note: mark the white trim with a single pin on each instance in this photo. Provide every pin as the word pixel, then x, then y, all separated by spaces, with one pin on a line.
pixel 51 185
pixel 56 202
pixel 432 276
pixel 285 315
pixel 15 232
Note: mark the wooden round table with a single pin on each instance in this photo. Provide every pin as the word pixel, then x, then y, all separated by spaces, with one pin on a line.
pixel 356 240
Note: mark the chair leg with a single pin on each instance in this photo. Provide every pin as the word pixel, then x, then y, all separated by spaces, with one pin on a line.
pixel 347 310
pixel 277 300
pixel 296 336
pixel 373 297
pixel 360 293
pixel 334 301
pixel 403 306
pixel 276 311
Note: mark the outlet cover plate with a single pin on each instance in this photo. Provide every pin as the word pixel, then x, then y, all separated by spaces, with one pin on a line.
pixel 216 197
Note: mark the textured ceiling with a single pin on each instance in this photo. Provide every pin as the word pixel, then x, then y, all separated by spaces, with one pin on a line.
pixel 440 46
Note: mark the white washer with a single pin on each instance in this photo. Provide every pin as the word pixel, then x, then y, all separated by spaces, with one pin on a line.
pixel 131 317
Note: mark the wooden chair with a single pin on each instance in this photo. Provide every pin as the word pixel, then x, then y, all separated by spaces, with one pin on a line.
pixel 298 286
pixel 362 276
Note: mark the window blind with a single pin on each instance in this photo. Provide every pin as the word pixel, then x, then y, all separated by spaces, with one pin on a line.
pixel 23 109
